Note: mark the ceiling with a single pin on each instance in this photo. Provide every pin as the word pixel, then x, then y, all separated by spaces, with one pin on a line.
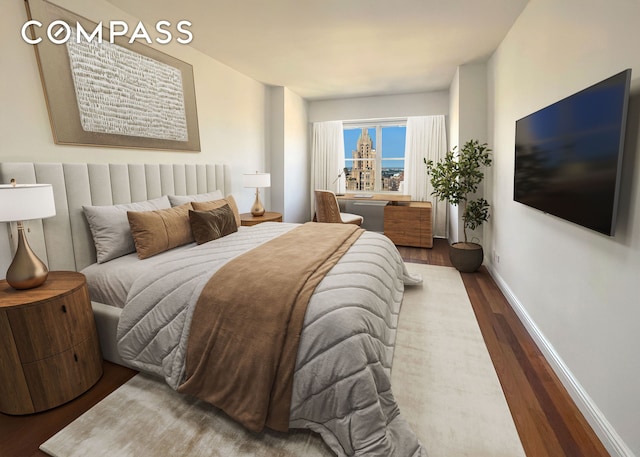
pixel 324 49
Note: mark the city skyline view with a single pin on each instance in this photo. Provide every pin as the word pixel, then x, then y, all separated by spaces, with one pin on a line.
pixel 363 158
pixel 393 142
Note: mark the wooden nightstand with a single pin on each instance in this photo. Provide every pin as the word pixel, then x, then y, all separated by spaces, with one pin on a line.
pixel 247 219
pixel 49 350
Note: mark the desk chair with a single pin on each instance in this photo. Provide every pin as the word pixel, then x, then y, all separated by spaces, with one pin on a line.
pixel 328 210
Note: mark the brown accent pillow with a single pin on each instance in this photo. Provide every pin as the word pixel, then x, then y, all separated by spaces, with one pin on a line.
pixel 212 224
pixel 208 206
pixel 158 231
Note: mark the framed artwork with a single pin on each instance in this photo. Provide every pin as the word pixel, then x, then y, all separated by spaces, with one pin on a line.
pixel 115 94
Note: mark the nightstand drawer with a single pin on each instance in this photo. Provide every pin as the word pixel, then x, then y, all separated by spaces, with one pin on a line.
pixel 49 350
pixel 58 379
pixel 45 329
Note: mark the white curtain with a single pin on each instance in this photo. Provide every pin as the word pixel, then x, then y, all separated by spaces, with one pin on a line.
pixel 327 159
pixel 426 139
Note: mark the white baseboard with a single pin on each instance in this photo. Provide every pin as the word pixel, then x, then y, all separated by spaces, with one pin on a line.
pixel 601 426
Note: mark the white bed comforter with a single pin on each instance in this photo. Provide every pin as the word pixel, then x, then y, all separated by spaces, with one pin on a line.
pixel 341 385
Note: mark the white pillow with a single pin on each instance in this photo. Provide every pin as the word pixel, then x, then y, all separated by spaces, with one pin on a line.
pixel 110 227
pixel 177 200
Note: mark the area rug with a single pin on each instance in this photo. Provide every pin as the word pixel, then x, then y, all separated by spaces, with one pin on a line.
pixel 442 378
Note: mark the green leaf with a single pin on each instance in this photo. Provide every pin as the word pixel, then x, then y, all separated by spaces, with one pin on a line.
pixel 457 175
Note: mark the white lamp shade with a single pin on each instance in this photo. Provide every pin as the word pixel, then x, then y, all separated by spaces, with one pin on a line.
pixel 256 180
pixel 24 202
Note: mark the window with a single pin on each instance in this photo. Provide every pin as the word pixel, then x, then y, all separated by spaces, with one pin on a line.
pixel 374 156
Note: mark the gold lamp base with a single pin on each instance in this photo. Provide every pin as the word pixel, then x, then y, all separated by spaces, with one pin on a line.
pixel 27 270
pixel 257 209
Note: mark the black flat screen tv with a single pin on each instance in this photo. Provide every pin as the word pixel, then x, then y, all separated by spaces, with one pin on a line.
pixel 568 156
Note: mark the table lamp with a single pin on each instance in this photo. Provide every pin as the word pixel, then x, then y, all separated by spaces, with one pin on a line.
pixel 257 180
pixel 18 203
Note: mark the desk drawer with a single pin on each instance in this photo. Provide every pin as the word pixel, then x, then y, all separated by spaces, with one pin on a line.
pixel 409 225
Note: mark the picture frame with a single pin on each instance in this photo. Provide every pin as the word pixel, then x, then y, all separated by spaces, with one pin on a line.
pixel 113 94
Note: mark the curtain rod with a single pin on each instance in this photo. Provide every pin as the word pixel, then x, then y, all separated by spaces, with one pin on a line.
pixel 380 121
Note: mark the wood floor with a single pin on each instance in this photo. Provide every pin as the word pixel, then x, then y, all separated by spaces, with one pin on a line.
pixel 548 422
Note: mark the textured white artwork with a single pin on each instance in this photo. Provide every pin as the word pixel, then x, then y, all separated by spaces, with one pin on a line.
pixel 122 92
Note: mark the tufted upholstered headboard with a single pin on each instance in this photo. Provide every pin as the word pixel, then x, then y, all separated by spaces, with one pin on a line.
pixel 64 241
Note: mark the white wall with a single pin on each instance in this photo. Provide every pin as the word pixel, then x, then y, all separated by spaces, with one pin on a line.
pixel 230 106
pixel 377 107
pixel 289 154
pixel 578 288
pixel 276 134
pixel 297 158
pixel 231 110
pixel 468 115
pixel 453 216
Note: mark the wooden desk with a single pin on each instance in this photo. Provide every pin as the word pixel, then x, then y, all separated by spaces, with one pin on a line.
pixel 406 223
pixel 392 198
pixel 409 224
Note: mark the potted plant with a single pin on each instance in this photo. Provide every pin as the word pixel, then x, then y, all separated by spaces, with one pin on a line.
pixel 456 178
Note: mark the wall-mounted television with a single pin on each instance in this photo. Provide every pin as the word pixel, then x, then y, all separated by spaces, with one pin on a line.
pixel 568 156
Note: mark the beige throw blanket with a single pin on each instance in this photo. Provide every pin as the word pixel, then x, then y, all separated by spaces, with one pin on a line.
pixel 247 323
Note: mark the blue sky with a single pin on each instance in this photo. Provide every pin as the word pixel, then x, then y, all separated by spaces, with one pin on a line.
pixel 393 141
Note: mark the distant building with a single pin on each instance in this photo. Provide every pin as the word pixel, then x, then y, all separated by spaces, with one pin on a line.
pixel 392 182
pixel 363 171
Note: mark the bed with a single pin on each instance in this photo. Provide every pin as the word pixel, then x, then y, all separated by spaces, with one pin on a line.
pixel 340 380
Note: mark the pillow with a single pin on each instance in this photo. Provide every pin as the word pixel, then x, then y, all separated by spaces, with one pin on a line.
pixel 177 200
pixel 110 228
pixel 207 206
pixel 213 224
pixel 158 231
